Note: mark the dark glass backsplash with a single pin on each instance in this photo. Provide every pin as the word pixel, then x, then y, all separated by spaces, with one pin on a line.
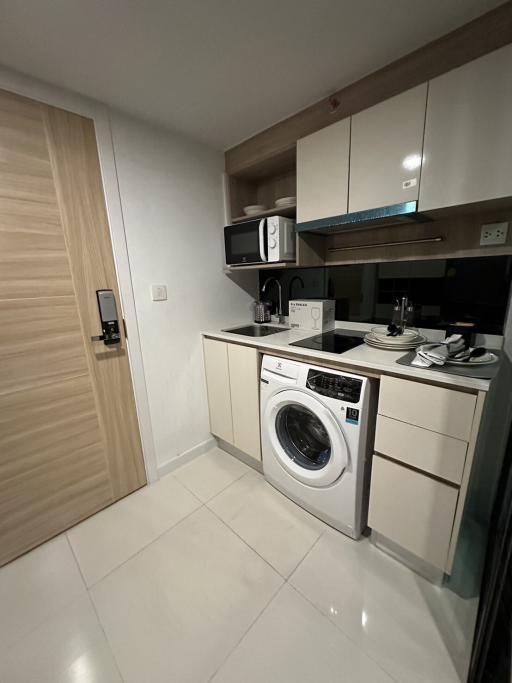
pixel 443 291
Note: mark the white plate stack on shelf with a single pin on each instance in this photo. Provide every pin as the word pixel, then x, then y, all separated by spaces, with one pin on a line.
pixel 285 202
pixel 380 338
pixel 254 209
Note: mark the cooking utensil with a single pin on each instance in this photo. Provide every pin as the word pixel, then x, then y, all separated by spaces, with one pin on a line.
pixel 476 353
pixel 381 333
pixel 262 311
pixel 485 358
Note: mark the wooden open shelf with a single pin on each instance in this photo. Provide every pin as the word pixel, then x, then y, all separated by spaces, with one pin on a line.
pixel 288 211
pixel 242 191
pixel 310 253
pixel 261 266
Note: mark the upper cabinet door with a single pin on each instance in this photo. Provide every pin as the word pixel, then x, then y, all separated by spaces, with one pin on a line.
pixel 386 151
pixel 322 172
pixel 468 134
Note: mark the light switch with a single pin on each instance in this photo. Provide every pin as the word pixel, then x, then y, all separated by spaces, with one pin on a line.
pixel 159 292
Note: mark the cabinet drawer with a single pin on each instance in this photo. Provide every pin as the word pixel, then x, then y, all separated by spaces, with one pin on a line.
pixel 413 510
pixel 435 453
pixel 441 410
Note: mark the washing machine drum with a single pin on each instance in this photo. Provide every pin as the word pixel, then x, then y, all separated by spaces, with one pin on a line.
pixel 306 438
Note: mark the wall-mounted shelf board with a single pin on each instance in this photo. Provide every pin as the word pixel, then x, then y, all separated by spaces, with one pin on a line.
pixel 287 211
pixel 260 266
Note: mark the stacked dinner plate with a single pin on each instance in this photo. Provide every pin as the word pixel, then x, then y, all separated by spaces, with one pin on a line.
pixel 380 338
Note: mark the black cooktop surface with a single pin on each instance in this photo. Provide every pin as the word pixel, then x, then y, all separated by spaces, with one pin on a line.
pixel 333 342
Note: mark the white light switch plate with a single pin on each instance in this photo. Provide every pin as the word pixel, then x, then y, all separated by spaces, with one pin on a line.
pixel 493 234
pixel 159 292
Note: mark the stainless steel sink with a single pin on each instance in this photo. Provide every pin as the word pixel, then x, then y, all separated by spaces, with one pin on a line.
pixel 256 330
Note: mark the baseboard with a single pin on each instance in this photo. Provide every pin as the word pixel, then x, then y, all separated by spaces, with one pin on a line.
pixel 421 567
pixel 185 457
pixel 237 453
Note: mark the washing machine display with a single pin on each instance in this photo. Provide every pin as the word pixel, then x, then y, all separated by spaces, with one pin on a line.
pixel 303 436
pixel 314 436
pixel 335 386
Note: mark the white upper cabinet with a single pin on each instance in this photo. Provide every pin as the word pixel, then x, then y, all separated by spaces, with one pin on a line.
pixel 386 151
pixel 468 134
pixel 322 172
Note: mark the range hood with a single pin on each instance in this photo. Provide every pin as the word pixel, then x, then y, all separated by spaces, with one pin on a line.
pixel 396 214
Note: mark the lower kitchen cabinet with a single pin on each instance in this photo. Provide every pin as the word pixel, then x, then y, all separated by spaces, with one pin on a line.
pixel 412 510
pixel 218 389
pixel 424 446
pixel 244 381
pixel 232 379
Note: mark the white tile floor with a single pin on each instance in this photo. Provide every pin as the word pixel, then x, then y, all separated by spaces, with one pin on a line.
pixel 212 575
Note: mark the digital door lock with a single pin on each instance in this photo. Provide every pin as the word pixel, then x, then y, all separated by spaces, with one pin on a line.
pixel 108 316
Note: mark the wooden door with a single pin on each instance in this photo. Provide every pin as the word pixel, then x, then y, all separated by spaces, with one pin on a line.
pixel 69 439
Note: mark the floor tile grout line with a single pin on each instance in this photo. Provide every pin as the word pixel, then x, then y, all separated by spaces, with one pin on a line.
pixel 305 556
pixel 228 526
pixel 53 612
pixel 171 474
pixel 343 632
pixel 244 634
pixel 93 606
pixel 70 545
pixel 107 639
pixel 205 502
pixel 254 549
pixel 145 547
pixel 337 626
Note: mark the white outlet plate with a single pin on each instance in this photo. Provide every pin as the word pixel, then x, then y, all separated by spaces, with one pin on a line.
pixel 493 234
pixel 159 292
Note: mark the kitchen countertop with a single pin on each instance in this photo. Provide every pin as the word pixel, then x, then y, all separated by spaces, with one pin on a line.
pixel 364 357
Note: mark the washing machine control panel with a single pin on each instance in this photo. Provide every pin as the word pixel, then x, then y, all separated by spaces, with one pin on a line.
pixel 335 386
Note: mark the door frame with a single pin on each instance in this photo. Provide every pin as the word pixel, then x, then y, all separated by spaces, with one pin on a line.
pixel 100 114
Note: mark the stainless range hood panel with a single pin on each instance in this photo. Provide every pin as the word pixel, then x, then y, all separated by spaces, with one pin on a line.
pixel 396 214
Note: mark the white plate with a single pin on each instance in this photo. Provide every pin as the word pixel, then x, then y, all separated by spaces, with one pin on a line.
pixel 390 347
pixel 286 201
pixel 489 360
pixel 409 335
pixel 411 343
pixel 254 208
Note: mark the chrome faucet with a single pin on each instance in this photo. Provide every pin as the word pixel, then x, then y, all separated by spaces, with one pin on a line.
pixel 280 309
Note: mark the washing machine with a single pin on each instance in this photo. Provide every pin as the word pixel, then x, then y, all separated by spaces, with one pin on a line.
pixel 317 427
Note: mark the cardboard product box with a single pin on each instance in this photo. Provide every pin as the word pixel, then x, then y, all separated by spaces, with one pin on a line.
pixel 316 315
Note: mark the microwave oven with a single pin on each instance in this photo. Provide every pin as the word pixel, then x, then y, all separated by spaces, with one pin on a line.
pixel 263 240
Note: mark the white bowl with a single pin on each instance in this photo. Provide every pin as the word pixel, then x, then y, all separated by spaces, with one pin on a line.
pixel 254 208
pixel 286 201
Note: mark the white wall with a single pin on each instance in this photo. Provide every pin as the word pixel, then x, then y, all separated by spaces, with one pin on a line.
pixel 171 195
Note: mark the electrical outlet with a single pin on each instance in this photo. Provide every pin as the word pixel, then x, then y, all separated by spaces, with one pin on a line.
pixel 493 234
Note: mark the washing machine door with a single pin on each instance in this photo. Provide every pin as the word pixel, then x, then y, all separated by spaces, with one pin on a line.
pixel 306 438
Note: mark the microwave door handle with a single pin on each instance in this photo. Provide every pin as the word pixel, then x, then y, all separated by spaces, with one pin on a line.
pixel 261 228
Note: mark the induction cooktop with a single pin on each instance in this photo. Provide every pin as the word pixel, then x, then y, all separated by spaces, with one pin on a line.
pixel 334 341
